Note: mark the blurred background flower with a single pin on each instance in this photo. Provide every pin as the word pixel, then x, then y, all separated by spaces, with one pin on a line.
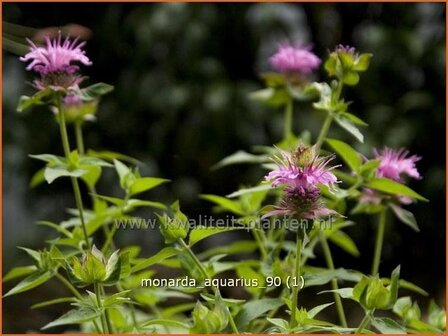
pixel 183 73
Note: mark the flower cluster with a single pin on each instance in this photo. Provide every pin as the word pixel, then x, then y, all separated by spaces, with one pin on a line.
pixel 298 59
pixel 302 172
pixel 394 165
pixel 54 63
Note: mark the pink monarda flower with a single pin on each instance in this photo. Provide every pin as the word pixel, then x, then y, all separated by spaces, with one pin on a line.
pixel 54 62
pixel 302 169
pixel 302 172
pixel 290 59
pixel 394 164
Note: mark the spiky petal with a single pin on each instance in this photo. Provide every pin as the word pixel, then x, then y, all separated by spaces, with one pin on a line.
pixel 395 164
pixel 56 62
pixel 302 172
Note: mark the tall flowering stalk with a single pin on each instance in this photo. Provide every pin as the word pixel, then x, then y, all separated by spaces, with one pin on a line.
pixel 301 172
pixel 57 65
pixel 58 72
pixel 295 63
pixel 395 165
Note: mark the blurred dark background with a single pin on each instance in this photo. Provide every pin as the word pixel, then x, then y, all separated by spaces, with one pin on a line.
pixel 182 74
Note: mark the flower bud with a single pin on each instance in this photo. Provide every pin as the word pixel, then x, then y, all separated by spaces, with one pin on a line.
pixel 95 268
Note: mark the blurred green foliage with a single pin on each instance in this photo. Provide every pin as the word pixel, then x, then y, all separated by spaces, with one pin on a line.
pixel 183 73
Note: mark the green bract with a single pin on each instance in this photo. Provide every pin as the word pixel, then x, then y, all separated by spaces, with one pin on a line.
pixel 94 268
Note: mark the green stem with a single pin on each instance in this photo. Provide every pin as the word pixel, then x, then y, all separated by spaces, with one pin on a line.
pixel 324 131
pixel 79 137
pixel 75 292
pixel 205 274
pixel 379 242
pixel 261 240
pixel 287 131
pixel 81 150
pixel 69 286
pixel 76 191
pixel 334 282
pixel 329 119
pixel 295 276
pixel 364 322
pixel 80 207
pixel 106 312
pixel 100 306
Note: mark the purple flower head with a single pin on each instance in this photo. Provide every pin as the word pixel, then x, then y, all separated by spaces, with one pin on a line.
pixel 302 172
pixel 54 62
pixel 347 49
pixel 301 203
pixel 302 169
pixel 296 59
pixel 396 163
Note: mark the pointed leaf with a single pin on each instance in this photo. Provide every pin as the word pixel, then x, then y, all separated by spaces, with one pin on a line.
pixel 392 187
pixel 347 153
pixel 405 216
pixel 74 316
pixel 30 282
pixel 145 184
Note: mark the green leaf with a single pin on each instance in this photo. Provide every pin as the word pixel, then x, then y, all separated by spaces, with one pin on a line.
pixel 325 276
pixel 166 323
pixel 134 203
pixel 347 153
pixel 95 91
pixel 274 97
pixel 91 175
pixel 200 233
pixel 52 173
pixel 405 216
pixel 316 310
pixel 354 119
pixel 40 98
pixel 240 157
pixel 246 272
pixel 350 78
pixel 387 326
pixel 52 302
pixel 410 286
pixel 345 293
pixel 56 227
pixel 113 267
pixel 123 172
pixel 74 316
pixel 349 127
pixel 163 254
pixel 38 178
pixel 254 309
pixel 18 272
pixel 362 62
pixel 394 284
pixel 325 102
pixel 392 187
pixel 261 187
pixel 111 156
pixel 146 183
pixel 225 203
pixel 344 241
pixel 32 253
pixel 30 282
pixel 49 158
